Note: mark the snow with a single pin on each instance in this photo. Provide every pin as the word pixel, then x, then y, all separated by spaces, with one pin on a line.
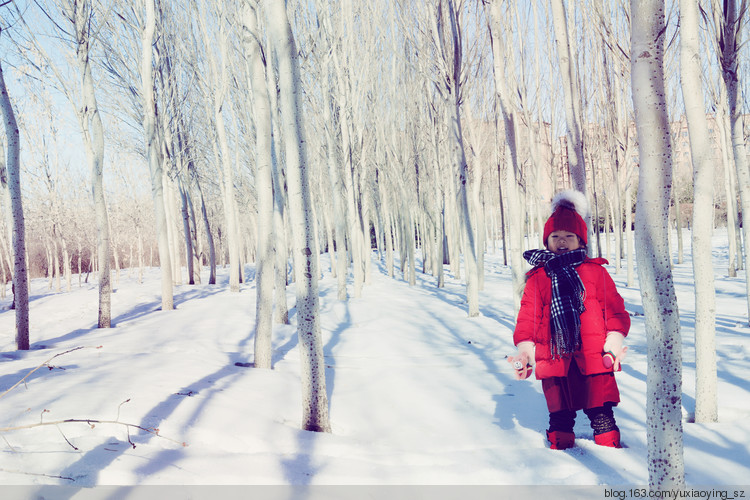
pixel 420 394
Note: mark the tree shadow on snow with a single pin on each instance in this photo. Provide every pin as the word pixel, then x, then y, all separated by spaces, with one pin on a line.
pixel 85 472
pixel 299 469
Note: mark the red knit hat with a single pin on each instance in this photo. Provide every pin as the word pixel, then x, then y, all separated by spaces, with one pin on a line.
pixel 568 210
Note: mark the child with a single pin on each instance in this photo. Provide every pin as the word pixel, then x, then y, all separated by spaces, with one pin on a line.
pixel 571 327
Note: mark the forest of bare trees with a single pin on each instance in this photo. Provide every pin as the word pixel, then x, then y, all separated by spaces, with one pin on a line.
pixel 195 134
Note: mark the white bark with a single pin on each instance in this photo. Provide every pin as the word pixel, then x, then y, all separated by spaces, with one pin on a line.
pixel 221 81
pixel 263 186
pixel 13 165
pixel 93 140
pixel 154 154
pixel 572 98
pixel 279 202
pixel 508 111
pixel 664 383
pixel 703 210
pixel 450 45
pixel 352 213
pixel 314 395
pixel 338 192
pixel 731 36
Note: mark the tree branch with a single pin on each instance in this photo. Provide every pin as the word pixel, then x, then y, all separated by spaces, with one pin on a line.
pixel 93 423
pixel 46 363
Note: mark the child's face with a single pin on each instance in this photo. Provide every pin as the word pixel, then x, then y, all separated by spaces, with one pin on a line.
pixel 560 242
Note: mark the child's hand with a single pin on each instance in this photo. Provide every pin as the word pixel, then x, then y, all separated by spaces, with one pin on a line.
pixel 523 361
pixel 614 351
pixel 521 367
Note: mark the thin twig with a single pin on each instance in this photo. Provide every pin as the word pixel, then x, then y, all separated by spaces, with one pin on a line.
pixel 118 408
pixel 9 445
pixel 66 438
pixel 23 380
pixel 36 474
pixel 92 423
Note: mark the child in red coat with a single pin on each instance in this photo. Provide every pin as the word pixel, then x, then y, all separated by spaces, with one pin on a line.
pixel 571 327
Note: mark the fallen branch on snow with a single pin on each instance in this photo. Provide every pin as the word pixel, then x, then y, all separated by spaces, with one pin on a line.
pixel 46 363
pixel 89 421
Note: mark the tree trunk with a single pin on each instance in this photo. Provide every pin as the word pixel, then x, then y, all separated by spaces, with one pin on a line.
pixel 664 384
pixel 314 394
pixel 572 98
pixel 93 139
pixel 264 186
pixel 730 191
pixel 703 210
pixel 188 234
pixel 731 37
pixel 281 279
pixel 338 193
pixel 514 204
pixel 154 154
pixel 20 273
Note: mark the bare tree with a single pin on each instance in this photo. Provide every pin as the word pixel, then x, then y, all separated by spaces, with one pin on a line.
pixel 314 395
pixel 446 31
pixel 80 13
pixel 703 211
pixel 664 383
pixel 13 165
pixel 504 90
pixel 730 17
pixel 153 152
pixel 219 91
pixel 572 94
pixel 264 184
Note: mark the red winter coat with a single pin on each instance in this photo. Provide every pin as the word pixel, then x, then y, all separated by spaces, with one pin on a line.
pixel 605 312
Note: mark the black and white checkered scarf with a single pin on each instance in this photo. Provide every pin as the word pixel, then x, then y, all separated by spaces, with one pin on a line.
pixel 567 297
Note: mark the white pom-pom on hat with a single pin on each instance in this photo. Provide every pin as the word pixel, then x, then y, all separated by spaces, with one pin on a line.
pixel 570 198
pixel 570 209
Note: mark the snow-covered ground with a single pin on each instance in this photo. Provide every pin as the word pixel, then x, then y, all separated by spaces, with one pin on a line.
pixel 420 393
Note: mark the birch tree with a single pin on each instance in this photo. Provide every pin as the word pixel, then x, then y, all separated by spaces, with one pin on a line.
pixel 153 153
pixel 80 13
pixel 572 95
pixel 449 44
pixel 703 211
pixel 314 395
pixel 509 112
pixel 664 384
pixel 730 21
pixel 13 165
pixel 263 184
pixel 80 16
pixel 219 66
pixel 335 177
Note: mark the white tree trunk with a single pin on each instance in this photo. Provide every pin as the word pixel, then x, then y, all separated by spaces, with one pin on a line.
pixel 263 186
pixel 338 193
pixel 730 189
pixel 703 210
pixel 279 203
pixel 664 383
pixel 93 140
pixel 221 77
pixel 352 213
pixel 731 37
pixel 154 154
pixel 572 98
pixel 629 243
pixel 454 61
pixel 516 214
pixel 314 395
pixel 20 273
